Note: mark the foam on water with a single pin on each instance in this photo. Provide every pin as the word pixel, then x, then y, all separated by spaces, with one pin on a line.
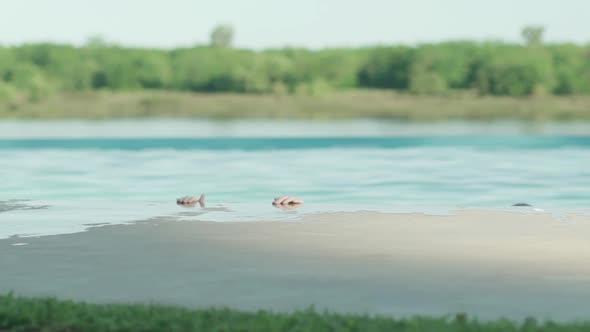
pixel 42 218
pixel 24 219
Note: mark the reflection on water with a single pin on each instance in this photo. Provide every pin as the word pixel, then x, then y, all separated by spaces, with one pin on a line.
pixel 12 205
pixel 287 128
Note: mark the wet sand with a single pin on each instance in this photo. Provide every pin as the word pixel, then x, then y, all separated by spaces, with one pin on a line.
pixel 487 263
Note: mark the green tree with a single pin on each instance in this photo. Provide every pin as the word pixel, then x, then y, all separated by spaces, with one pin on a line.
pixel 96 41
pixel 516 71
pixel 572 72
pixel 37 70
pixel 222 36
pixel 191 68
pixel 387 68
pixel 451 62
pixel 533 35
pixel 153 70
pixel 30 79
pixel 7 61
pixel 118 68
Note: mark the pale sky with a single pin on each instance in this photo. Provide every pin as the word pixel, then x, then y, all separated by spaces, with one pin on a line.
pixel 276 23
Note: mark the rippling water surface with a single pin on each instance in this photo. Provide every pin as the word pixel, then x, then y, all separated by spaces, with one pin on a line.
pixel 341 171
pixel 438 171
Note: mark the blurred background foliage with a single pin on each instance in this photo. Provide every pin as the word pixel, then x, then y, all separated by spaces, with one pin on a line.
pixel 35 71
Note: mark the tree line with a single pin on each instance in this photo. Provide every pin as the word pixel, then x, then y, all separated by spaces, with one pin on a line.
pixel 489 68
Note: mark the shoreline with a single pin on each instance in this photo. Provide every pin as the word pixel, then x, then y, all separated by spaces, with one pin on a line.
pixel 66 216
pixel 487 264
pixel 352 104
pixel 277 128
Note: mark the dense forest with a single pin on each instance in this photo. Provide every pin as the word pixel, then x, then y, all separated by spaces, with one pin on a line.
pixel 489 68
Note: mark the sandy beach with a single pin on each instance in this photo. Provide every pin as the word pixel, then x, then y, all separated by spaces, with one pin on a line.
pixel 486 263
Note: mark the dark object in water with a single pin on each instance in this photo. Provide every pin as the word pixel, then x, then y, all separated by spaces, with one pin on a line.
pixel 521 204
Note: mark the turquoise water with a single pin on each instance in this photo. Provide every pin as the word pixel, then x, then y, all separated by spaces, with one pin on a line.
pixel 66 176
pixel 472 171
pixel 62 178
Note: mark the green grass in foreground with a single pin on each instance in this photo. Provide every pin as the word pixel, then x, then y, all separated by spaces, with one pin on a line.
pixel 45 314
pixel 377 104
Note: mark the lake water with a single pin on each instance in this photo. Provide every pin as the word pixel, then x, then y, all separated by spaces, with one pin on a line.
pixel 67 178
pixel 109 170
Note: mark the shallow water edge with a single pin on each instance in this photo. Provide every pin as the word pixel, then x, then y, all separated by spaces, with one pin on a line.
pixel 162 128
pixel 489 264
pixel 34 218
